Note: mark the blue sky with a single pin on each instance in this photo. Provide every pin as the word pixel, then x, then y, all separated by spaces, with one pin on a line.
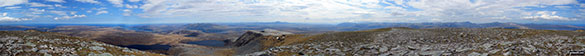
pixel 299 11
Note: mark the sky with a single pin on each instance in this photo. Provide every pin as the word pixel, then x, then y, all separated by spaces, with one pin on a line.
pixel 298 11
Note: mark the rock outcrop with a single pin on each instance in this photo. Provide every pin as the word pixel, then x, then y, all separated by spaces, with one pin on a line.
pixel 253 41
pixel 35 43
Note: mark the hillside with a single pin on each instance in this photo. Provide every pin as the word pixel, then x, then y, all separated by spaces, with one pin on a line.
pixel 441 41
pixel 34 43
pixel 118 36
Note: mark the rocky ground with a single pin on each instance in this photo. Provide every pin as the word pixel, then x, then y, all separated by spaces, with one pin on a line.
pixel 435 42
pixel 34 43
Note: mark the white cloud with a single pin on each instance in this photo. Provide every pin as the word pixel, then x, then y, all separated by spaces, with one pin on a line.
pixel 563 7
pixel 59 1
pixel 99 8
pixel 436 20
pixel 11 2
pixel 60 6
pixel 133 0
pixel 36 11
pixel 88 1
pixel 127 12
pixel 34 4
pixel 117 3
pixel 69 17
pixel 101 12
pixel 73 12
pixel 131 6
pixel 317 9
pixel 13 7
pixel 479 7
pixel 547 15
pixel 59 12
pixel 4 17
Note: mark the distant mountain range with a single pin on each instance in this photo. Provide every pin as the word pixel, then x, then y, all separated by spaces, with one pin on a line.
pixel 365 26
pixel 297 27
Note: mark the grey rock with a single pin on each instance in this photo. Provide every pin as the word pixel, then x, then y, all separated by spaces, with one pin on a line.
pixel 446 54
pixel 462 49
pixel 30 44
pixel 33 49
pixel 127 50
pixel 425 48
pixel 493 51
pixel 433 53
pixel 101 54
pixel 383 49
pixel 474 54
pixel 385 54
pixel 487 45
pixel 97 48
pixel 332 49
pixel 43 51
pixel 46 54
pixel 412 47
pixel 397 48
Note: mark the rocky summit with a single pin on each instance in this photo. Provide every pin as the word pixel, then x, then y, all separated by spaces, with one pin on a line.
pixel 253 41
pixel 34 43
pixel 434 42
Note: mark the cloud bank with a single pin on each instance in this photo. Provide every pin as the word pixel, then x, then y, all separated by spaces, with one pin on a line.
pixel 310 11
pixel 356 10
